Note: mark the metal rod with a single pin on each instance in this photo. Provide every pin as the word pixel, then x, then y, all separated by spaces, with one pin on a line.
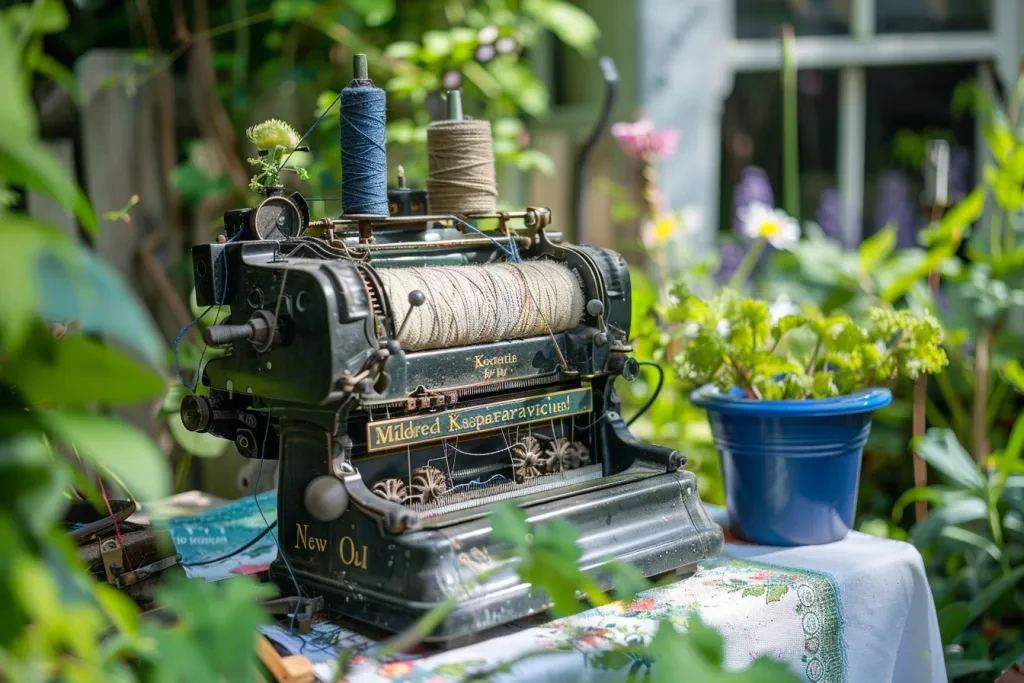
pixel 360 72
pixel 454 105
pixel 884 50
pixel 441 244
pixel 399 220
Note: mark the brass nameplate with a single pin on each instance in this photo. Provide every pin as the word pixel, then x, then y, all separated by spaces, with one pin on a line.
pixel 409 431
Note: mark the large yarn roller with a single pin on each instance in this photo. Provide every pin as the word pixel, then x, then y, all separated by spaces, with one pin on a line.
pixel 364 164
pixel 460 155
pixel 485 303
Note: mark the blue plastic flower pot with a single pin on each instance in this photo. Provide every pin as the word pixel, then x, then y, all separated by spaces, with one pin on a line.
pixel 791 468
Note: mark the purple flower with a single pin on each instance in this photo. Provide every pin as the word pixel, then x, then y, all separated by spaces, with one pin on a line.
pixel 829 215
pixel 730 254
pixel 960 164
pixel 452 80
pixel 894 205
pixel 753 187
pixel 484 53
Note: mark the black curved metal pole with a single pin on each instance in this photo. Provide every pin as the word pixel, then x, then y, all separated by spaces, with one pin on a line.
pixel 611 86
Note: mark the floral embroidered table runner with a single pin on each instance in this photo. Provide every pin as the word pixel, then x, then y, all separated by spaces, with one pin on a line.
pixel 857 611
pixel 850 612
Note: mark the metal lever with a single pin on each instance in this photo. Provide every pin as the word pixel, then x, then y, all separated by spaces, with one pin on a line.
pixel 595 307
pixel 416 299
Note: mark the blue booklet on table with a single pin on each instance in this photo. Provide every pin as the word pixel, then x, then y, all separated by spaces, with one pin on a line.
pixel 210 543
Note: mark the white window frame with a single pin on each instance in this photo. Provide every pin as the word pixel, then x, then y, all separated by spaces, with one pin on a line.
pixel 851 55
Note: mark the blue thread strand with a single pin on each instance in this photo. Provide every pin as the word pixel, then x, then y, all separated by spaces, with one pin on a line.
pixel 364 164
pixel 512 251
pixel 277 542
pixel 311 129
pixel 220 302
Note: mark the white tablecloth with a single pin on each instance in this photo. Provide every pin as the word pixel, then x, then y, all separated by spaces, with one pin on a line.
pixel 857 611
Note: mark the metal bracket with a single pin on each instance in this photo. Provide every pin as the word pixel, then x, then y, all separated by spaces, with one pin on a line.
pixel 113 558
pixel 288 605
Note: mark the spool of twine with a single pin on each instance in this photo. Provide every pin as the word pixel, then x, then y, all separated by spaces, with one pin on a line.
pixel 488 303
pixel 364 164
pixel 460 156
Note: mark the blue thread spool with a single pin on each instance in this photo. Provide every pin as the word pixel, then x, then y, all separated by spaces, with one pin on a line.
pixel 364 163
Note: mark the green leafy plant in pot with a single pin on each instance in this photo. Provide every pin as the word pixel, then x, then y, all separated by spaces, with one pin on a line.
pixel 789 395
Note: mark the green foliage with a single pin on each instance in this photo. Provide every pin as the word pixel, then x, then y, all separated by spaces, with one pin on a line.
pixel 671 420
pixel 972 533
pixel 205 645
pixel 429 46
pixel 909 146
pixel 548 558
pixel 74 341
pixel 200 176
pixel 739 343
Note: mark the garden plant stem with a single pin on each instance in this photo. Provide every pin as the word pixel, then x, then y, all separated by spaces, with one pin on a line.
pixel 920 415
pixel 979 417
pixel 746 267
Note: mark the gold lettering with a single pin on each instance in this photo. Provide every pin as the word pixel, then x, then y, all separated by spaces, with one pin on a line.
pixel 306 542
pixel 489 365
pixel 383 434
pixel 350 555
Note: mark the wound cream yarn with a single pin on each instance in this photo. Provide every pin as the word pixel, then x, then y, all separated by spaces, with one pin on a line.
pixel 460 157
pixel 486 303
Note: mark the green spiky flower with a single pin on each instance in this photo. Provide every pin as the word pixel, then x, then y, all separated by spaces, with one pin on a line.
pixel 744 343
pixel 277 140
pixel 273 133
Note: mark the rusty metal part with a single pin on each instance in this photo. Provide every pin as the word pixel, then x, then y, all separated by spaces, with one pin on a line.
pixel 527 459
pixel 579 455
pixel 428 484
pixel 132 578
pixel 558 456
pixel 391 489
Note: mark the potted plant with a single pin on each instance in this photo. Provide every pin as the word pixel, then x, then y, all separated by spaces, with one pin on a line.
pixel 789 394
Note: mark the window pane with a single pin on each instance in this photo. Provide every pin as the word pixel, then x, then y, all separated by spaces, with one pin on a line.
pixel 923 16
pixel 764 18
pixel 905 107
pixel 752 142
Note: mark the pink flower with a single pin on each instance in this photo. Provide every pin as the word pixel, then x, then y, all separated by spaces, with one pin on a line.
pixel 591 641
pixel 640 139
pixel 645 605
pixel 395 669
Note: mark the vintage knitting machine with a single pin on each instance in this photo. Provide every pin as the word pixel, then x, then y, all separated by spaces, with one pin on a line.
pixel 412 365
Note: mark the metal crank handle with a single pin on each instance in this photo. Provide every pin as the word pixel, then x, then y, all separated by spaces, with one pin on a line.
pixel 260 330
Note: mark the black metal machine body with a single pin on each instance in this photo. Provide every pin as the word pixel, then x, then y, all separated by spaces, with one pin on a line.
pixel 390 459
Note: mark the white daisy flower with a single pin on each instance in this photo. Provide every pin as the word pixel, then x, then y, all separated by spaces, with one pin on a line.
pixel 775 225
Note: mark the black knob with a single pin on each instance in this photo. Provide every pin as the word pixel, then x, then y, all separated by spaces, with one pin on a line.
pixel 196 413
pixel 417 298
pixel 222 335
